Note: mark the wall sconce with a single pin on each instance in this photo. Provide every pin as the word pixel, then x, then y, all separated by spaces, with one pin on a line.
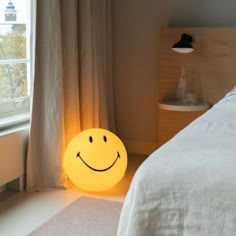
pixel 184 45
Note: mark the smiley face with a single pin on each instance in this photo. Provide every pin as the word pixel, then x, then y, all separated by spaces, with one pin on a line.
pixel 95 160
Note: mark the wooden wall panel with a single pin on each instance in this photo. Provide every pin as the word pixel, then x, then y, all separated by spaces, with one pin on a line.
pixel 210 69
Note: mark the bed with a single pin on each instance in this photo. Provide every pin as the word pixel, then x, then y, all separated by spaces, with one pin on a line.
pixel 188 186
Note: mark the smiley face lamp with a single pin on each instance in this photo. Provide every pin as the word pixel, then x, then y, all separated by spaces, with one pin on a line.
pixel 95 160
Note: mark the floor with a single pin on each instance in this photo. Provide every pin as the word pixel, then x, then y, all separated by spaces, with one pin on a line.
pixel 21 213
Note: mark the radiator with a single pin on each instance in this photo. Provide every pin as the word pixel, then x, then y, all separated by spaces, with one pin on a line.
pixel 12 154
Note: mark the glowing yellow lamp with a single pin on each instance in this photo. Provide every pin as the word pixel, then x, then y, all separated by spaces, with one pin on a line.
pixel 95 160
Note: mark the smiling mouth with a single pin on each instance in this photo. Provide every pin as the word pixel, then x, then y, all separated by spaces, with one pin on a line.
pixel 99 170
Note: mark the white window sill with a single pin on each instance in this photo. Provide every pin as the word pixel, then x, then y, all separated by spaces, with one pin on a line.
pixel 14 123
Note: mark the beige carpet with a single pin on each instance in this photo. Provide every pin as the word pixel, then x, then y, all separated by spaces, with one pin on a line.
pixel 83 217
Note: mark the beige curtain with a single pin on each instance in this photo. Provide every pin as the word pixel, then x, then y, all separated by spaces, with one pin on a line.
pixel 73 87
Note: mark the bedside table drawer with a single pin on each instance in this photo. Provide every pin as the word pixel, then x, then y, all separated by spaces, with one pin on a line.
pixel 171 122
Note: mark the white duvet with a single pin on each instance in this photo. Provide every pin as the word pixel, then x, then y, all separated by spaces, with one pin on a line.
pixel 188 186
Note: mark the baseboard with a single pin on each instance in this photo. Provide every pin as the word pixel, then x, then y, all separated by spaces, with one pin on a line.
pixel 3 188
pixel 140 146
pixel 17 184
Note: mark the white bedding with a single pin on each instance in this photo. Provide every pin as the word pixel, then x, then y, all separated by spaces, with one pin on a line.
pixel 188 186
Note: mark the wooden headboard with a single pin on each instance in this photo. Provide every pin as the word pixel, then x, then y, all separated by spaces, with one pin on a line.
pixel 211 67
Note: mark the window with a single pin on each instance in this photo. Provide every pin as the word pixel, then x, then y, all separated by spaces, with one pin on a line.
pixel 15 61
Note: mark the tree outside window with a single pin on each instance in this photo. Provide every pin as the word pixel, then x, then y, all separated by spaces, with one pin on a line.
pixel 16 47
pixel 13 74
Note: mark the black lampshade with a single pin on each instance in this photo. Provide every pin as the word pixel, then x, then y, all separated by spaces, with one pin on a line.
pixel 184 45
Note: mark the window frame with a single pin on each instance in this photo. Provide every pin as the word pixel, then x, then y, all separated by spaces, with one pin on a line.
pixel 14 112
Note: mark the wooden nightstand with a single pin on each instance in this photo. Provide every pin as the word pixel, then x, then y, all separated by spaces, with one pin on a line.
pixel 173 117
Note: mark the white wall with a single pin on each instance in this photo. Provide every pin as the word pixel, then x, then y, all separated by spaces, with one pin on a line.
pixel 136 49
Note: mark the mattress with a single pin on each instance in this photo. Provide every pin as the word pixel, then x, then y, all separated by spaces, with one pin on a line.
pixel 188 186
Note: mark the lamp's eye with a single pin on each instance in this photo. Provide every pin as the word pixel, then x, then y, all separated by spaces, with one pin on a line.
pixel 90 139
pixel 104 138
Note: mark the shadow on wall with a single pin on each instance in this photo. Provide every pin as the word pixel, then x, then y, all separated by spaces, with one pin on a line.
pixel 136 49
pixel 202 13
